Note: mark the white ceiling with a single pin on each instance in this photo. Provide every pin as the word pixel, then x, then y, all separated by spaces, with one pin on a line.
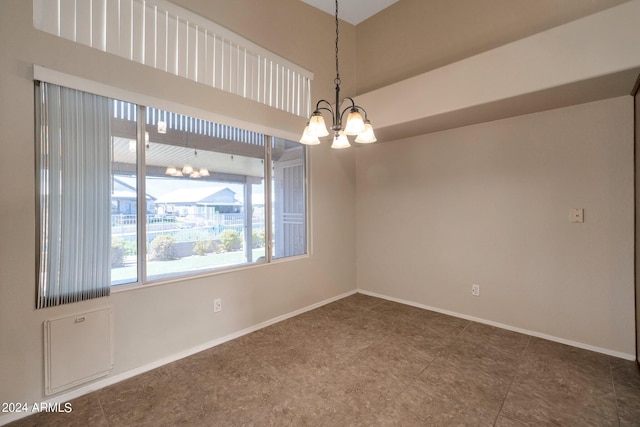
pixel 163 155
pixel 352 11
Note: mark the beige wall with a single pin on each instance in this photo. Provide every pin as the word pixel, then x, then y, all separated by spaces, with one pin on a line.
pixel 485 204
pixel 158 322
pixel 489 204
pixel 438 32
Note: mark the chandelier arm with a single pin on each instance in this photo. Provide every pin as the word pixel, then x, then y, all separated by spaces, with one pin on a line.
pixel 330 110
pixel 342 114
pixel 320 102
pixel 353 104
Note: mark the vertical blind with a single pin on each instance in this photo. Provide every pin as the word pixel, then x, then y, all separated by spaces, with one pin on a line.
pixel 73 170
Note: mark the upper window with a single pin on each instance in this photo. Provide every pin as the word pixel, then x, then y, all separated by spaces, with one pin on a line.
pixel 183 195
pixel 170 38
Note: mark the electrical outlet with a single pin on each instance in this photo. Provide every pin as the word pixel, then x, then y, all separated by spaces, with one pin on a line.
pixel 577 215
pixel 475 290
pixel 217 305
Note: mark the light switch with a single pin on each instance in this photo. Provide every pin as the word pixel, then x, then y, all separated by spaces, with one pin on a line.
pixel 577 215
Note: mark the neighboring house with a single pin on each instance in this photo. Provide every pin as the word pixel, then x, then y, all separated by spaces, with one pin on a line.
pixel 123 198
pixel 203 202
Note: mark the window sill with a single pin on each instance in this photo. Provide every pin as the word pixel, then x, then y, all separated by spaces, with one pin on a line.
pixel 116 289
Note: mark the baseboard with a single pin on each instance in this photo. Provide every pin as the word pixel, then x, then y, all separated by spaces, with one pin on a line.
pixel 504 326
pixel 80 391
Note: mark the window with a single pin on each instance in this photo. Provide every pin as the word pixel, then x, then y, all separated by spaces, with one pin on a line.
pixel 204 195
pixel 180 195
pixel 124 193
pixel 167 37
pixel 289 199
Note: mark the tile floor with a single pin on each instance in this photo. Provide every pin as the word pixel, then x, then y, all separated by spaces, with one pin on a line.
pixel 364 361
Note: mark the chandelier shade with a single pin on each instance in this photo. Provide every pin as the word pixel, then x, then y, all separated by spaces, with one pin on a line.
pixel 357 122
pixel 317 127
pixel 366 137
pixel 308 137
pixel 340 140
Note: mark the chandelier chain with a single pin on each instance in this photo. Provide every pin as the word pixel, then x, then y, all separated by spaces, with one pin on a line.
pixel 337 81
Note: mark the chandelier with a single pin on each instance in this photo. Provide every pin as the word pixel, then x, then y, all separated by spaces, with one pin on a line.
pixel 354 125
pixel 187 170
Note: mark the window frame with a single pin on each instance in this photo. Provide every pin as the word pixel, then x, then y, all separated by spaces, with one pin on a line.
pixel 142 102
pixel 141 216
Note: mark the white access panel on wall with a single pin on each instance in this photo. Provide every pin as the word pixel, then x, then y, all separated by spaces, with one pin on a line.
pixel 78 349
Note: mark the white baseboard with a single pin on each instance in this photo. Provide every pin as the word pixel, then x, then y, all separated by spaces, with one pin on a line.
pixel 507 327
pixel 80 391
